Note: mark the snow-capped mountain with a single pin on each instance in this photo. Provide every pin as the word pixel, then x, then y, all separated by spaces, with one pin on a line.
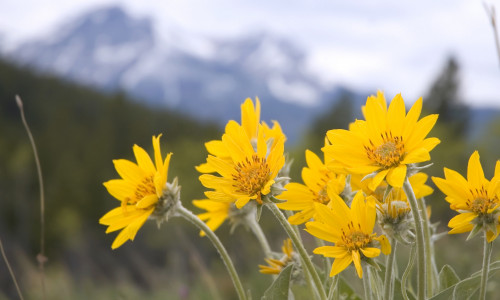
pixel 205 77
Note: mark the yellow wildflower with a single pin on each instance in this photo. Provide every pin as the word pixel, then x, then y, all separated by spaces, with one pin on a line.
pixel 321 185
pixel 476 199
pixel 251 169
pixel 385 143
pixel 139 191
pixel 216 212
pixel 250 120
pixel 276 265
pixel 351 230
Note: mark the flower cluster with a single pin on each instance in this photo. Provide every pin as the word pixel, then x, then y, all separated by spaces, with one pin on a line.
pixel 367 176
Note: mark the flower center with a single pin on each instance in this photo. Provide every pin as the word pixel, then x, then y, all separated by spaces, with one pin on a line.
pixel 251 175
pixel 389 153
pixel 322 196
pixel 356 240
pixel 145 188
pixel 481 203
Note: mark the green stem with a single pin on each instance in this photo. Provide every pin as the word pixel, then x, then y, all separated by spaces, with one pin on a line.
pixel 419 232
pixel 406 274
pixel 310 284
pixel 486 267
pixel 367 286
pixel 388 280
pixel 188 215
pixel 300 248
pixel 431 270
pixel 328 262
pixel 333 291
pixel 259 234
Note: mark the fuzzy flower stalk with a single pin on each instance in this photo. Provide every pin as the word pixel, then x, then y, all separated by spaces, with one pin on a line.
pixel 477 200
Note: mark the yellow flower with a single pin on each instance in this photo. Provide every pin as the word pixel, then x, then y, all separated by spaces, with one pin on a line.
pixel 351 230
pixel 250 120
pixel 216 212
pixel 251 169
pixel 385 143
pixel 139 190
pixel 276 265
pixel 476 199
pixel 321 185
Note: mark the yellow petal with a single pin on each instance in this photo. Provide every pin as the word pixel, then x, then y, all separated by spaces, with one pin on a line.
pixel 356 258
pixel 129 170
pixel 396 115
pixel 385 246
pixel 416 156
pixel 250 117
pixel 221 166
pixel 396 176
pixel 322 231
pixel 475 174
pixel 143 159
pixel 331 251
pixel 217 148
pixel 301 217
pixel 147 201
pixel 157 152
pixel 377 179
pixel 313 161
pixel 129 232
pixel 412 117
pixel 339 264
pixel 462 219
pixel 120 189
pixel 420 131
pixel 241 202
pixel 370 252
pixel 461 229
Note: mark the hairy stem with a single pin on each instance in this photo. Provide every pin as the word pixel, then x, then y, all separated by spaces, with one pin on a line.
pixel 421 274
pixel 486 268
pixel 188 215
pixel 259 234
pixel 300 248
pixel 367 286
pixel 431 269
pixel 388 279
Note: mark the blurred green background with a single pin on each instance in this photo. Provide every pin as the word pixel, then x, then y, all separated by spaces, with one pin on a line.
pixel 80 131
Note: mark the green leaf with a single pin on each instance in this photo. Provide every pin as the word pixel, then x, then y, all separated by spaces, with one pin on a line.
pixel 466 288
pixel 447 277
pixel 280 286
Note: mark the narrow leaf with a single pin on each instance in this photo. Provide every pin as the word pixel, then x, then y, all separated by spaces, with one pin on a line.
pixel 280 286
pixel 447 277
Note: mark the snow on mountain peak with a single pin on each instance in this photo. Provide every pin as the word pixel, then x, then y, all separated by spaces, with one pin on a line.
pixel 111 49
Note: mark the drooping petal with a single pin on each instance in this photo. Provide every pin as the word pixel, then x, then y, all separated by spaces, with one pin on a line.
pixel 339 264
pixel 396 176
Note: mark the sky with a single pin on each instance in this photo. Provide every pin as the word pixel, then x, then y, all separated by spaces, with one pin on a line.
pixel 394 46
